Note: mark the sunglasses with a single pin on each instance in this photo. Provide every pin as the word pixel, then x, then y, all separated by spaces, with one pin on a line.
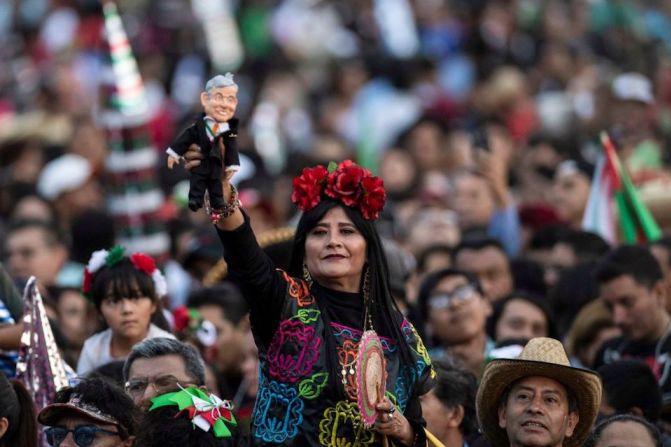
pixel 84 435
pixel 162 384
pixel 443 300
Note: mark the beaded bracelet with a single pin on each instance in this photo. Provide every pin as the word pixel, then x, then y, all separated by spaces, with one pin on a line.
pixel 228 209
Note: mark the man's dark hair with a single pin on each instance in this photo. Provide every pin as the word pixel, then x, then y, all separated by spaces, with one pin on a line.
pixel 499 307
pixel 633 260
pixel 601 426
pixel 586 246
pixel 477 244
pixel 664 242
pixel 434 249
pixel 109 399
pixel 431 281
pixel 224 295
pixel 160 346
pixel 457 386
pixel 631 383
pixel 52 235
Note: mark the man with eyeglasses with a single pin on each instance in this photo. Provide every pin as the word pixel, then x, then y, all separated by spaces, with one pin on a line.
pixel 94 413
pixel 214 127
pixel 452 304
pixel 160 365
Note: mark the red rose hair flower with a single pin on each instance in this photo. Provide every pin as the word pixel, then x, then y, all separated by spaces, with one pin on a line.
pixel 347 182
pixel 143 263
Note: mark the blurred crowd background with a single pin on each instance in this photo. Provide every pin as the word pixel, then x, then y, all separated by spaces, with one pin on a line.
pixel 482 117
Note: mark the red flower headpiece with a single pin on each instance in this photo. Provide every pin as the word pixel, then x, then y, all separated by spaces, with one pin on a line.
pixel 140 261
pixel 348 182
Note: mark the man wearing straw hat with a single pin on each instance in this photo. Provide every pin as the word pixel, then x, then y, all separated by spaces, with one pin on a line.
pixel 537 399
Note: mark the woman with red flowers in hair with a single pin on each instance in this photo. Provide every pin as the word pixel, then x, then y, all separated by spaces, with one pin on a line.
pixel 308 321
pixel 126 290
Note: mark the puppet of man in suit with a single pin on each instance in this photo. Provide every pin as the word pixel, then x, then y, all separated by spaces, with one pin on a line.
pixel 219 101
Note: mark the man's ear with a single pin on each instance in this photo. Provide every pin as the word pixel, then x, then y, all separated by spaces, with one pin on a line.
pixel 204 97
pixel 128 442
pixel 455 416
pixel 572 421
pixel 636 411
pixel 4 425
pixel 502 416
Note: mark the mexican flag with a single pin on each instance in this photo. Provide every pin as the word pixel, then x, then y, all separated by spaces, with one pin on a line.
pixel 614 210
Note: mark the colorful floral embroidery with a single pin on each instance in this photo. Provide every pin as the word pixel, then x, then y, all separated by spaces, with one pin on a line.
pixel 278 412
pixel 311 387
pixel 341 427
pixel 298 290
pixel 347 354
pixel 348 333
pixel 293 351
pixel 307 316
pixel 406 377
pixel 414 341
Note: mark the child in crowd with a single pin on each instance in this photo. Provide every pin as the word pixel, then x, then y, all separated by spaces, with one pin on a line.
pixel 126 292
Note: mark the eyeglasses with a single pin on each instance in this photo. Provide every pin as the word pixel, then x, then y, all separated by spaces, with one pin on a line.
pixel 443 300
pixel 84 435
pixel 227 99
pixel 161 384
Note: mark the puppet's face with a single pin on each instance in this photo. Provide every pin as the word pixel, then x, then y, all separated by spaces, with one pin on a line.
pixel 220 103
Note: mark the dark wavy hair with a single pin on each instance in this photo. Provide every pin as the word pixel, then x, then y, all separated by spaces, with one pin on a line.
pixel 386 315
pixel 124 280
pixel 17 406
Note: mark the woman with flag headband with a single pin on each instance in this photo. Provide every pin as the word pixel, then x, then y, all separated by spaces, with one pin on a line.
pixel 308 322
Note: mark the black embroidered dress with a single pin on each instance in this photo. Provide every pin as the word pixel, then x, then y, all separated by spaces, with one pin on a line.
pixel 306 338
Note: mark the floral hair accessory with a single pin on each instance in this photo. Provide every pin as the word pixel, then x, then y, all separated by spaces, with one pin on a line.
pixel 205 411
pixel 189 322
pixel 347 182
pixel 115 255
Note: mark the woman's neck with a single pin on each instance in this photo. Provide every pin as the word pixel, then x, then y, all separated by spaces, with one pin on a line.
pixel 340 284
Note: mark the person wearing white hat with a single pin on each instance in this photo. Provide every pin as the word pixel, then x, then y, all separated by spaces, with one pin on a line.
pixel 537 399
pixel 632 125
pixel 68 182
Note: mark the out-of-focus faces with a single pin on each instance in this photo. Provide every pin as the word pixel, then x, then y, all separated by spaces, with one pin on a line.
pixel 492 268
pixel 473 200
pixel 457 312
pixel 570 192
pixel 637 310
pixel 229 352
pixel 30 253
pixel 521 319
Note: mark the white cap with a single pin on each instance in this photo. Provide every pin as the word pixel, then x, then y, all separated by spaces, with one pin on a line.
pixel 65 173
pixel 633 87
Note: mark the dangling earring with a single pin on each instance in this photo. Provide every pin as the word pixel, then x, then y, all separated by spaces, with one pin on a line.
pixel 367 300
pixel 306 275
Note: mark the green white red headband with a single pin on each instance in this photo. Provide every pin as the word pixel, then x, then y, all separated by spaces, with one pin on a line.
pixel 141 261
pixel 205 411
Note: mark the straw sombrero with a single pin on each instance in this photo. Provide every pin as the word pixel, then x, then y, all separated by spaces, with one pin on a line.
pixel 540 357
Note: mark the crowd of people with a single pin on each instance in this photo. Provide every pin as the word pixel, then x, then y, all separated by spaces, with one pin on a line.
pixel 460 236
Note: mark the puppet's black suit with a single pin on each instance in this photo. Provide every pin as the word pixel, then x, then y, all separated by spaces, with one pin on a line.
pixel 207 176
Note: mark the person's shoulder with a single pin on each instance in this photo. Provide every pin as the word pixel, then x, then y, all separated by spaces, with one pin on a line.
pixel 98 338
pixel 155 331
